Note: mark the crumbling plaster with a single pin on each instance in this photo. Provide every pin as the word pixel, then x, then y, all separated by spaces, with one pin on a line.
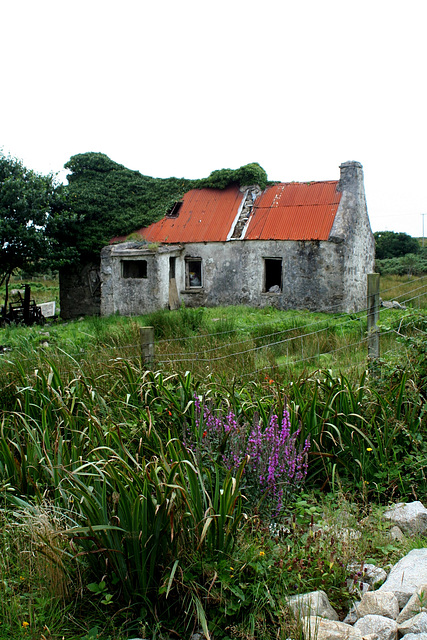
pixel 129 296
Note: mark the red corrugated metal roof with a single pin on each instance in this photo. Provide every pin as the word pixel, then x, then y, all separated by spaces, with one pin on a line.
pixel 206 215
pixel 285 211
pixel 294 211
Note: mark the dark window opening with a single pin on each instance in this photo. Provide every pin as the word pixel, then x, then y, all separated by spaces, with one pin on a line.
pixel 134 269
pixel 193 273
pixel 273 275
pixel 173 212
pixel 172 263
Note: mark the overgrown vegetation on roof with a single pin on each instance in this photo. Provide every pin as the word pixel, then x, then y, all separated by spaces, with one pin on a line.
pixel 107 199
pixel 247 175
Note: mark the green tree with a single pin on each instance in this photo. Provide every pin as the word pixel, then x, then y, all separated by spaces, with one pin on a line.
pixel 389 244
pixel 106 200
pixel 28 203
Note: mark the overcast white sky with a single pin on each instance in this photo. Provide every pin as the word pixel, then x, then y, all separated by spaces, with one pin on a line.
pixel 180 88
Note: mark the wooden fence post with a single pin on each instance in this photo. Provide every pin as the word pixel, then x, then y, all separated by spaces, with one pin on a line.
pixel 147 346
pixel 373 307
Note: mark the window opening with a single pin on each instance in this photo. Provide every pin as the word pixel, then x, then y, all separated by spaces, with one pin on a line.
pixel 193 273
pixel 172 263
pixel 134 269
pixel 273 275
pixel 173 212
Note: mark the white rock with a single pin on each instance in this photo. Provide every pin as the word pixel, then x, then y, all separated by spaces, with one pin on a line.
pixel 322 629
pixel 407 576
pixel 373 575
pixel 411 518
pixel 378 603
pixel 396 534
pixel 416 604
pixel 382 628
pixel 415 636
pixel 315 603
pixel 369 573
pixel 417 624
pixel 352 616
pixel 355 587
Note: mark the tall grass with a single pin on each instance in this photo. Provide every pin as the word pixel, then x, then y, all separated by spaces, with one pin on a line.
pixel 92 446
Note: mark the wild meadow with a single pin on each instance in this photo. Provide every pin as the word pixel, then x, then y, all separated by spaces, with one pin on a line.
pixel 200 490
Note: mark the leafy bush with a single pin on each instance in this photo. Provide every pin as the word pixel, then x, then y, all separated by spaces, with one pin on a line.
pixel 246 175
pixel 409 264
pixel 389 244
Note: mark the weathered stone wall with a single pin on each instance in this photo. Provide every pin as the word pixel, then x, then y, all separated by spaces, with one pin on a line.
pixel 352 229
pixel 316 275
pixel 79 291
pixel 135 296
pixel 233 273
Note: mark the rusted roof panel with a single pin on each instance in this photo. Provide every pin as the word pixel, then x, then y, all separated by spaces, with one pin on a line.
pixel 295 211
pixel 313 222
pixel 285 211
pixel 206 215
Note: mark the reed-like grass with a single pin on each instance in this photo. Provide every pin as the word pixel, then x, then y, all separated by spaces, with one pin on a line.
pixel 93 441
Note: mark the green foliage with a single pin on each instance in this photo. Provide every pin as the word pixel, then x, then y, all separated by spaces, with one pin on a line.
pixel 246 175
pixel 365 435
pixel 110 200
pixel 183 322
pixel 34 581
pixel 389 244
pixel 31 205
pixel 416 344
pixel 409 264
pixel 107 200
pixel 91 445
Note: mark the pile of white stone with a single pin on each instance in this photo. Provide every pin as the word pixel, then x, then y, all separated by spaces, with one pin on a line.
pixel 397 608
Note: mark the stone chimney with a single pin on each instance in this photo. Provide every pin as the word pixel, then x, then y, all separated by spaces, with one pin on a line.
pixel 351 178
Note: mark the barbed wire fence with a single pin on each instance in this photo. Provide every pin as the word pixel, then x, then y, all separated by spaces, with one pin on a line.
pixel 263 348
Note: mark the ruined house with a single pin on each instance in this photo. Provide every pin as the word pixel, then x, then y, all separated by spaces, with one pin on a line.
pixel 295 245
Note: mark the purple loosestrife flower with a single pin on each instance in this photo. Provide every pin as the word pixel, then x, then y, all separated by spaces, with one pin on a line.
pixel 277 464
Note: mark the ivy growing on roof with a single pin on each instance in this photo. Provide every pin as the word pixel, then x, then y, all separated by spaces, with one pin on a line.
pixel 106 199
pixel 246 175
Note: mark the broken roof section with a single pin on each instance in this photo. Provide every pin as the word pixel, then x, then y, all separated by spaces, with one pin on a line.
pixel 284 211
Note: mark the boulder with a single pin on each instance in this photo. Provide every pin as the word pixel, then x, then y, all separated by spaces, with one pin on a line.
pixel 373 574
pixel 417 624
pixel 352 616
pixel 380 627
pixel 378 603
pixel 364 577
pixel 396 534
pixel 416 604
pixel 322 629
pixel 315 603
pixel 407 576
pixel 411 518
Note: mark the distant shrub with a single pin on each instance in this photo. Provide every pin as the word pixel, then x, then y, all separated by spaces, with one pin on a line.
pixel 389 244
pixel 409 264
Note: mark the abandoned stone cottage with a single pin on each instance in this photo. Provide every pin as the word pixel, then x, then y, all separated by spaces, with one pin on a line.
pixel 291 246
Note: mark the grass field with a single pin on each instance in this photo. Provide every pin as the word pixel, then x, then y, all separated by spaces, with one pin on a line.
pixel 129 505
